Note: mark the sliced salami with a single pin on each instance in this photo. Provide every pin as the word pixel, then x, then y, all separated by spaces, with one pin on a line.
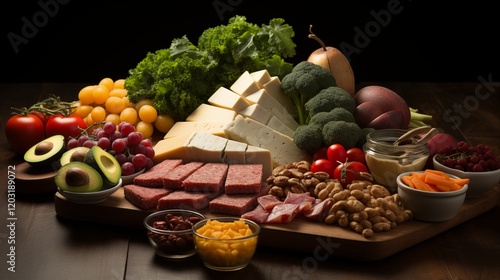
pixel 144 197
pixel 153 177
pixel 243 178
pixel 186 200
pixel 236 204
pixel 208 178
pixel 174 178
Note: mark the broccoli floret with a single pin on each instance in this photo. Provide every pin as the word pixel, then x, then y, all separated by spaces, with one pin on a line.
pixel 308 137
pixel 304 82
pixel 329 98
pixel 340 132
pixel 336 114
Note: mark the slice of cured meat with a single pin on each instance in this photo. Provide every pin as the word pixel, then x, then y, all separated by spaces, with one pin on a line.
pixel 144 197
pixel 258 215
pixel 208 178
pixel 320 210
pixel 153 176
pixel 283 213
pixel 186 200
pixel 236 204
pixel 174 178
pixel 268 201
pixel 243 178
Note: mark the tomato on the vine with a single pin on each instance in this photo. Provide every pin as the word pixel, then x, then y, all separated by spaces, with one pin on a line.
pixel 320 153
pixel 349 171
pixel 356 154
pixel 322 165
pixel 336 154
pixel 23 131
pixel 69 126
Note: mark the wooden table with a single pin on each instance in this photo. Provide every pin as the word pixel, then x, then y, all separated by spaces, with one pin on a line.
pixel 49 247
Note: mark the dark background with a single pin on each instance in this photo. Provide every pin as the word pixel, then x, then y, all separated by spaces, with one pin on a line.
pixel 85 41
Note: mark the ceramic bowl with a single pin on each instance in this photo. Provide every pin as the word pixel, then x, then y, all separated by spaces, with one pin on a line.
pixel 431 206
pixel 90 197
pixel 170 234
pixel 226 243
pixel 129 179
pixel 480 182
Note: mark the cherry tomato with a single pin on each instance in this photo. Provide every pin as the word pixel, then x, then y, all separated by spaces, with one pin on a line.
pixel 320 153
pixel 336 154
pixel 322 165
pixel 24 131
pixel 348 172
pixel 69 126
pixel 356 154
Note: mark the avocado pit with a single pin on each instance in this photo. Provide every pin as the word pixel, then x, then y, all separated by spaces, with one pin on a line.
pixel 43 148
pixel 77 177
pixel 78 155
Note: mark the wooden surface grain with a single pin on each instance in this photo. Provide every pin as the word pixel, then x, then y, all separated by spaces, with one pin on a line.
pixel 50 247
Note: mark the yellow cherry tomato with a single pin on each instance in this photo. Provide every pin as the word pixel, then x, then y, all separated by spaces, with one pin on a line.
pixel 119 84
pixel 148 113
pixel 145 128
pixel 108 83
pixel 129 115
pixel 100 94
pixel 143 102
pixel 98 114
pixel 114 104
pixel 85 95
pixel 118 92
pixel 114 118
pixel 164 123
pixel 83 110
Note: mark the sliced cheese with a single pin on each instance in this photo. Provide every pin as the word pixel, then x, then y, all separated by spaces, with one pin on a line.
pixel 283 150
pixel 273 87
pixel 261 77
pixel 245 85
pixel 212 127
pixel 263 156
pixel 256 112
pixel 174 147
pixel 263 98
pixel 207 112
pixel 234 152
pixel 280 126
pixel 228 99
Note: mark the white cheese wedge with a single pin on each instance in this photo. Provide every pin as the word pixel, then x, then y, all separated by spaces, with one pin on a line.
pixel 207 112
pixel 174 147
pixel 260 155
pixel 280 126
pixel 283 149
pixel 261 77
pixel 256 112
pixel 245 85
pixel 234 152
pixel 228 99
pixel 212 127
pixel 264 99
pixel 273 87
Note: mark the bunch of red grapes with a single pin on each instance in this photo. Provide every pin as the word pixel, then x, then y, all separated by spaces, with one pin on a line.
pixel 465 157
pixel 131 150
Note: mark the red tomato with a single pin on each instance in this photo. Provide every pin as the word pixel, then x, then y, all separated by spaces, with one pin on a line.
pixel 40 115
pixel 348 172
pixel 23 132
pixel 69 126
pixel 320 153
pixel 322 165
pixel 356 154
pixel 336 154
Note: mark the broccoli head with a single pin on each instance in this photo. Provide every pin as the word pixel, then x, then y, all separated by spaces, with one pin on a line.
pixel 304 82
pixel 329 98
pixel 341 132
pixel 336 114
pixel 308 137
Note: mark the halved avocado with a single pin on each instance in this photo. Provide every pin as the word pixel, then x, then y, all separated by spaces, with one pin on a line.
pixel 105 163
pixel 75 154
pixel 78 177
pixel 45 152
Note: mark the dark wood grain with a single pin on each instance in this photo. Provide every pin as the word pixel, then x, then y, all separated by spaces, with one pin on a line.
pixel 48 247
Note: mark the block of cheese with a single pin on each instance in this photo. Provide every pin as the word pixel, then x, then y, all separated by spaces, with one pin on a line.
pixel 228 99
pixel 273 87
pixel 263 156
pixel 264 99
pixel 212 127
pixel 245 85
pixel 261 77
pixel 256 112
pixel 207 112
pixel 280 126
pixel 283 149
pixel 171 148
pixel 234 152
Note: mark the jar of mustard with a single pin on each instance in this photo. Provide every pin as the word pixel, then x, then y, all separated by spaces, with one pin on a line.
pixel 386 161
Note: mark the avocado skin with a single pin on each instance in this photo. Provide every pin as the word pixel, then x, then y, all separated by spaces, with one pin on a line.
pixel 50 157
pixel 95 180
pixel 111 176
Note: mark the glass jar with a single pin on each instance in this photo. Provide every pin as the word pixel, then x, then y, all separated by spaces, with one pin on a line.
pixel 386 161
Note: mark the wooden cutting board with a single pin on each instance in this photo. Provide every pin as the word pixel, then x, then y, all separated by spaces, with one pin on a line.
pixel 330 239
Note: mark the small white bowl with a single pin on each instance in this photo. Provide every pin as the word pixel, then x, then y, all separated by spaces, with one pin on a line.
pixel 431 206
pixel 129 179
pixel 90 197
pixel 480 182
